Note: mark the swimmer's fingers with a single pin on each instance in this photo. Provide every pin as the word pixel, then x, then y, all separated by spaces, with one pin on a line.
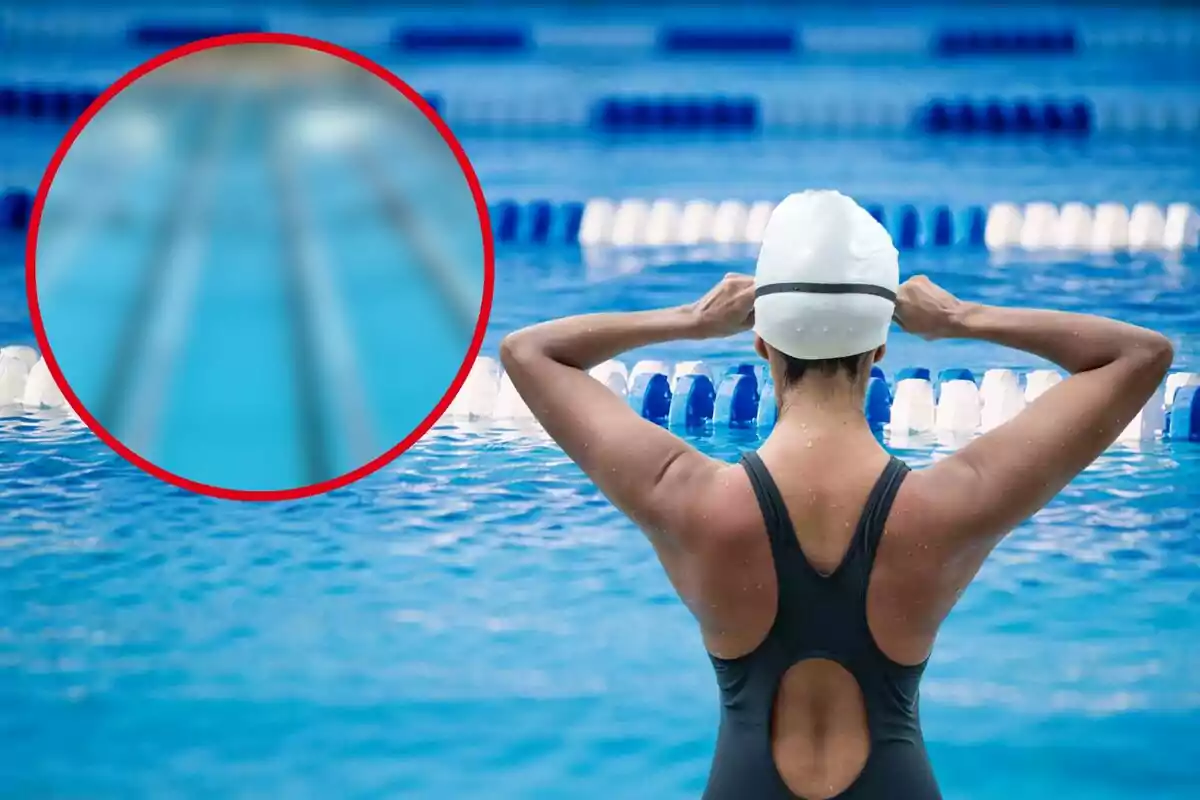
pixel 727 308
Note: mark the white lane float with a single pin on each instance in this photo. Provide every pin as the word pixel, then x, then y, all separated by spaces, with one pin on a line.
pixel 1034 227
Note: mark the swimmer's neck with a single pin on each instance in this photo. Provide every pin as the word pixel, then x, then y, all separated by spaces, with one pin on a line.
pixel 818 405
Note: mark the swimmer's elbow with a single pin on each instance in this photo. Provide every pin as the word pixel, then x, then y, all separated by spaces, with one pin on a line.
pixel 1159 354
pixel 517 348
pixel 1149 359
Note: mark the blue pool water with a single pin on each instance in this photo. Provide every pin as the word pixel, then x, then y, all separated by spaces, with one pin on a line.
pixel 475 620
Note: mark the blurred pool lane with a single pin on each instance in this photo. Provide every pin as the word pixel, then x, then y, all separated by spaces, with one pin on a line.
pixel 308 335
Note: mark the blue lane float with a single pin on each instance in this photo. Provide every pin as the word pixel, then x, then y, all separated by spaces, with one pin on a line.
pixel 675 114
pixel 16 206
pixel 961 42
pixel 692 403
pixel 939 228
pixel 877 405
pixel 506 221
pixel 539 222
pixel 179 32
pixel 737 401
pixel 650 396
pixel 501 39
pixel 743 41
pixel 49 103
pixel 970 226
pixel 1051 117
pixel 906 228
pixel 1183 420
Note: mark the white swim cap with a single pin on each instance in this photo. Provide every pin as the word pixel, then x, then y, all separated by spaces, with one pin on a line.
pixel 826 280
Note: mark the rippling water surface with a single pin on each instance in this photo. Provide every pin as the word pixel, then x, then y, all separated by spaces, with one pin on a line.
pixel 475 620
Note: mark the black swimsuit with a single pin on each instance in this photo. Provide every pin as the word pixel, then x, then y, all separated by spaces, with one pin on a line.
pixel 820 617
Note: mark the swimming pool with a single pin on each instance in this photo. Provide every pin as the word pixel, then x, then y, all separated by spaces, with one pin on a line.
pixel 475 620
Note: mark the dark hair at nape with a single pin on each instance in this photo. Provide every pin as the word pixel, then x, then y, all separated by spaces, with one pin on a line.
pixel 794 369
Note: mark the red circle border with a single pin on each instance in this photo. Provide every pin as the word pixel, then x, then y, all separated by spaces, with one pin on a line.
pixel 396 83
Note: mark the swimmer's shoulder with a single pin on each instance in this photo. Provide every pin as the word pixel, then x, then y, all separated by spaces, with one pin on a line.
pixel 924 511
pixel 721 510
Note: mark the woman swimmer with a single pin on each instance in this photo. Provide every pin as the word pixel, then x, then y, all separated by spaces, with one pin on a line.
pixel 820 567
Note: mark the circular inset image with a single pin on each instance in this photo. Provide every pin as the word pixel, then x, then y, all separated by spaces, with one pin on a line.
pixel 260 267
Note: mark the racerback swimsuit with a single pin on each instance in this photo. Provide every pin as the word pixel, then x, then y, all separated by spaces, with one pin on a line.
pixel 821 617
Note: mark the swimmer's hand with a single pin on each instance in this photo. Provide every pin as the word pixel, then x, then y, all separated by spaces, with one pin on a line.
pixel 928 310
pixel 727 309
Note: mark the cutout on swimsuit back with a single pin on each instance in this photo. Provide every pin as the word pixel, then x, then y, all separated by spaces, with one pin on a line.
pixel 820 738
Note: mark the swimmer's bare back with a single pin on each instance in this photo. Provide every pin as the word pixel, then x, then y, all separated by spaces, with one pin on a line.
pixel 707 523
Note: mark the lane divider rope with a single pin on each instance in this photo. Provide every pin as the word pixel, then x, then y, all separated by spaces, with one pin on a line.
pixel 742 115
pixel 600 222
pixel 694 396
pixel 780 38
pixel 1073 227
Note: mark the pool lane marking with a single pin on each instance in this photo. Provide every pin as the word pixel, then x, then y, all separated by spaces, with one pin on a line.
pixel 414 230
pixel 312 430
pixel 131 342
pixel 336 343
pixel 174 312
pixel 326 359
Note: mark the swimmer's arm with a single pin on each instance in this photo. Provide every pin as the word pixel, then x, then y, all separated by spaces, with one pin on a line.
pixel 650 474
pixel 980 493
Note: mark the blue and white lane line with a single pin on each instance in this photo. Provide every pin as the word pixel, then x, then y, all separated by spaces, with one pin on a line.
pixel 170 323
pixel 1031 33
pixel 669 223
pixel 350 423
pixel 913 408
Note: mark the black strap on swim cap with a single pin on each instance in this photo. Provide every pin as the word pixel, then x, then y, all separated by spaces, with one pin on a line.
pixel 826 288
